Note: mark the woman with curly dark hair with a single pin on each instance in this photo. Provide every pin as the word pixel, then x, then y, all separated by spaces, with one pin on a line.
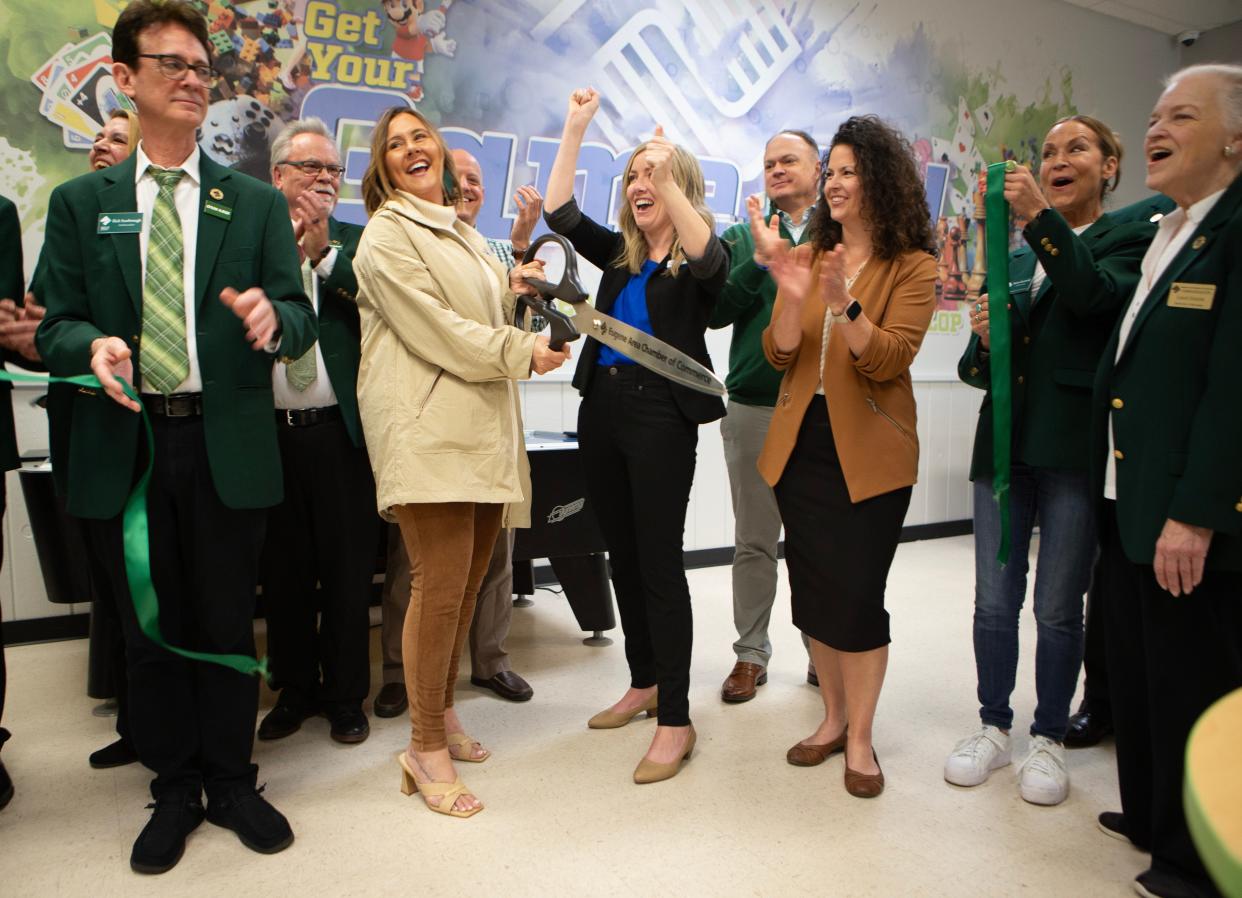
pixel 842 454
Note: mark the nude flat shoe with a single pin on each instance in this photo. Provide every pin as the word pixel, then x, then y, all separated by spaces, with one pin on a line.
pixel 448 793
pixel 610 720
pixel 652 772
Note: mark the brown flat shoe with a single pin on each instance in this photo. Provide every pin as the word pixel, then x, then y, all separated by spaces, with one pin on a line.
pixel 740 685
pixel 803 755
pixel 864 785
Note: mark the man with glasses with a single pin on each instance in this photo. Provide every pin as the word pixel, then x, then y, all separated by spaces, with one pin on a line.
pixel 179 276
pixel 326 530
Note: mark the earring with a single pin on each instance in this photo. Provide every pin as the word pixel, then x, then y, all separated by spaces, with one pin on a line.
pixel 1230 151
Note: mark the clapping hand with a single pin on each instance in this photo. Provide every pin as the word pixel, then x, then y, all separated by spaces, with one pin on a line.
pixel 774 252
pixel 310 225
pixel 530 204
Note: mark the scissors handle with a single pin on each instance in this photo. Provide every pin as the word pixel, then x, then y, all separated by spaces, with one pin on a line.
pixel 569 288
pixel 562 326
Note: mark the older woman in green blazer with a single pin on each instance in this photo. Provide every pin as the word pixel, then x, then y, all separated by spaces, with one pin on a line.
pixel 1167 447
pixel 1066 288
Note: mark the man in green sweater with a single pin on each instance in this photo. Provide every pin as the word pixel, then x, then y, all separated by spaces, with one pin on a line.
pixel 791 171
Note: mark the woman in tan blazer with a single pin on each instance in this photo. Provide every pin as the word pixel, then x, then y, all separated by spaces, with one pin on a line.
pixel 842 454
pixel 440 412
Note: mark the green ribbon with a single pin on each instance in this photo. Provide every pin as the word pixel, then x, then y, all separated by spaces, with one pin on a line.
pixel 137 542
pixel 996 230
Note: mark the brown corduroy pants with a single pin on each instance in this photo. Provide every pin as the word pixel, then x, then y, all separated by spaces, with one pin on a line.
pixel 449 545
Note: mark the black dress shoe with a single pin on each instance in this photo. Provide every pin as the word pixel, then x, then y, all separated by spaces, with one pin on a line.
pixel 506 684
pixel 116 754
pixel 162 841
pixel 391 700
pixel 1087 729
pixel 6 787
pixel 1113 823
pixel 260 826
pixel 283 720
pixel 1164 884
pixel 349 724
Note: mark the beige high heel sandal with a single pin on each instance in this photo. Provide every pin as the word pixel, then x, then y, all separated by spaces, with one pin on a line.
pixel 448 793
pixel 464 743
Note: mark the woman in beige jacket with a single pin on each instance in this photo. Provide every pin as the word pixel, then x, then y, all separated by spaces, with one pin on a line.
pixel 440 413
pixel 841 452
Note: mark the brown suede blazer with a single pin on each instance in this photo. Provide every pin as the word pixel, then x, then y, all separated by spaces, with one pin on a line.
pixel 871 399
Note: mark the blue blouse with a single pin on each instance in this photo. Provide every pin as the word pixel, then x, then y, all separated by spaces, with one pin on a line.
pixel 631 308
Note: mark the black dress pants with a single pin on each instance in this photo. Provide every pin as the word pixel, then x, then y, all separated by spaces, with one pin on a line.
pixel 1168 660
pixel 1095 692
pixel 4 734
pixel 325 531
pixel 192 722
pixel 639 453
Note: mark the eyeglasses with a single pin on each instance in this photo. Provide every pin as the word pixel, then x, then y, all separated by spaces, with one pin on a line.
pixel 314 168
pixel 175 68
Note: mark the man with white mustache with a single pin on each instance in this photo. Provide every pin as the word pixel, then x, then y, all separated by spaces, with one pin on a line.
pixel 326 530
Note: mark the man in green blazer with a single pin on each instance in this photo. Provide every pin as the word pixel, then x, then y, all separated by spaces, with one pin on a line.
pixel 180 276
pixel 326 530
pixel 1167 447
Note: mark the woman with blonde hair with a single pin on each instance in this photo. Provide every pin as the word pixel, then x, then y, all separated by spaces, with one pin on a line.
pixel 440 413
pixel 638 431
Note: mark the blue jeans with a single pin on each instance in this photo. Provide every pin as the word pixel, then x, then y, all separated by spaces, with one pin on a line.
pixel 1060 501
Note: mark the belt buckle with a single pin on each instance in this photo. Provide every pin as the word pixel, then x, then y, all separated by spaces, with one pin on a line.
pixel 289 417
pixel 163 405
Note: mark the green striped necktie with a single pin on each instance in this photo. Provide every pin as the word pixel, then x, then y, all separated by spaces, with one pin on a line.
pixel 301 372
pixel 165 359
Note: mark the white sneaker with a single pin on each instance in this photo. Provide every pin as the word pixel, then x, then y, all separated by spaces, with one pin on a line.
pixel 975 757
pixel 1043 778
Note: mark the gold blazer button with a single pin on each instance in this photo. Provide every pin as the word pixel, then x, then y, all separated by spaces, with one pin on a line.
pixel 1118 454
pixel 1117 403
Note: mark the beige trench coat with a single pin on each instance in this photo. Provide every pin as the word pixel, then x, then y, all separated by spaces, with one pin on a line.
pixel 436 391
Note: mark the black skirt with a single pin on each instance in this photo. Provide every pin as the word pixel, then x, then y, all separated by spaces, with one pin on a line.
pixel 838 552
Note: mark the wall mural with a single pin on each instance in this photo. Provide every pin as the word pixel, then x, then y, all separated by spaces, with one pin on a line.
pixel 720 76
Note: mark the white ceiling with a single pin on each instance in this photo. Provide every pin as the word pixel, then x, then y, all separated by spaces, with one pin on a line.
pixel 1171 18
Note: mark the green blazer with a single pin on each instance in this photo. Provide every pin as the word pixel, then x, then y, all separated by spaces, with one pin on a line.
pixel 1173 398
pixel 1057 337
pixel 340 333
pixel 93 288
pixel 12 279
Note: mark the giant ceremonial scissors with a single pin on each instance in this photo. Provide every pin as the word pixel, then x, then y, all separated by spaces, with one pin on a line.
pixel 655 355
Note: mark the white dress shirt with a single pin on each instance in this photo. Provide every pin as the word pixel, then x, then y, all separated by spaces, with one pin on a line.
pixel 186 196
pixel 319 393
pixel 1171 235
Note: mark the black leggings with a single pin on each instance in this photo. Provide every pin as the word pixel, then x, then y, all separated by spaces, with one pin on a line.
pixel 639 451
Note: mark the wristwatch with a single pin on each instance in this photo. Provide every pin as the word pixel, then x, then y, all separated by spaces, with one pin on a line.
pixel 852 311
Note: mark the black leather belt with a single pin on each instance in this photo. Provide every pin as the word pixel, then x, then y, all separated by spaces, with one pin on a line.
pixel 177 405
pixel 307 417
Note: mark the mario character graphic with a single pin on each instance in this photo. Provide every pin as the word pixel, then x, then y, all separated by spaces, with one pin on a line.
pixel 418 33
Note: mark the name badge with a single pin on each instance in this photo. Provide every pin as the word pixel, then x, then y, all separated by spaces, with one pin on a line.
pixel 217 210
pixel 1191 296
pixel 119 223
pixel 1020 286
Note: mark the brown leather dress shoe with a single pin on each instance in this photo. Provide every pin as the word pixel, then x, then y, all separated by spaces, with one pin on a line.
pixel 804 755
pixel 864 785
pixel 740 685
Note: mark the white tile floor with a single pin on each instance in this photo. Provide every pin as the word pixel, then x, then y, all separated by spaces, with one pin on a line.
pixel 563 817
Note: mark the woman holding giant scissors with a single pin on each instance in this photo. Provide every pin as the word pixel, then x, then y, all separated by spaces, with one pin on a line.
pixel 638 432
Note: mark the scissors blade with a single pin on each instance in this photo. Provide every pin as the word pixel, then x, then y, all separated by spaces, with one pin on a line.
pixel 653 354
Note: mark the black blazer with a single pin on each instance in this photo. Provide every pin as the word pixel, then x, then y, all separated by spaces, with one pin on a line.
pixel 679 307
